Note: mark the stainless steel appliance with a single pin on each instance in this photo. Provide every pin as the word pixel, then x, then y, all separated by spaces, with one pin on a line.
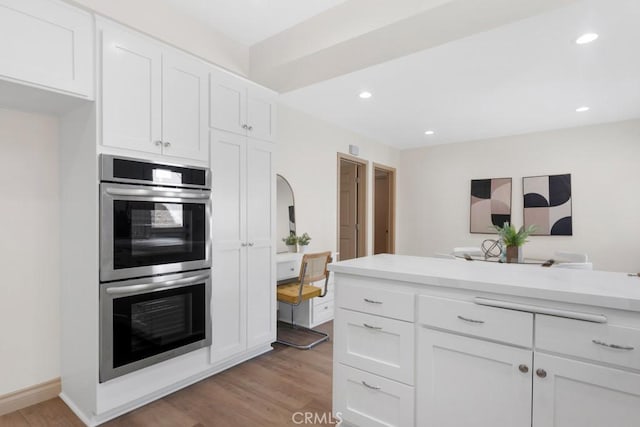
pixel 154 218
pixel 155 263
pixel 146 321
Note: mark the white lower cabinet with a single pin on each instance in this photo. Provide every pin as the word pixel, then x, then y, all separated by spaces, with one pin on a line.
pixel 243 271
pixel 464 382
pixel 368 400
pixel 570 393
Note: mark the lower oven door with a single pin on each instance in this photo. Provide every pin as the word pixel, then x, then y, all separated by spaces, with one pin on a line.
pixel 146 321
pixel 146 231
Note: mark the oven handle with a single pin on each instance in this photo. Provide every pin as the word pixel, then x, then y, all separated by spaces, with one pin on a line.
pixel 153 286
pixel 141 192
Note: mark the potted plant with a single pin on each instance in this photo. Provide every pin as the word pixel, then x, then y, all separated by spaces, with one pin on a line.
pixel 292 242
pixel 513 240
pixel 303 242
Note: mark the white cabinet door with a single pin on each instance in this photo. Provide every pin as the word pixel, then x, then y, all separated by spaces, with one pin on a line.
pixel 131 91
pixel 47 43
pixel 185 105
pixel 229 269
pixel 261 113
pixel 464 382
pixel 582 394
pixel 228 103
pixel 261 297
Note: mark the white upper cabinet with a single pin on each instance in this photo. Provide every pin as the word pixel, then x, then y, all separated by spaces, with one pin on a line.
pixel 47 43
pixel 241 107
pixel 185 132
pixel 228 103
pixel 154 99
pixel 131 91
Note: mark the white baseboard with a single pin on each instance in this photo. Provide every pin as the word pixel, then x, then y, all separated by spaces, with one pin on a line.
pixel 29 396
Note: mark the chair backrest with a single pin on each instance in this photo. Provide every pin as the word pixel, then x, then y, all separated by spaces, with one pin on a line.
pixel 313 267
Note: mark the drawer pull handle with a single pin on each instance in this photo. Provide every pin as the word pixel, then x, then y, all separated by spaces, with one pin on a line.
pixel 480 322
pixel 372 387
pixel 370 301
pixel 616 346
pixel 377 328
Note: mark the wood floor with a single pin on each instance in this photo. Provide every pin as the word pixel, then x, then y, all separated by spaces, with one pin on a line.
pixel 265 391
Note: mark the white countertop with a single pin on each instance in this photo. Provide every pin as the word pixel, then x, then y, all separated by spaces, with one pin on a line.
pixel 595 288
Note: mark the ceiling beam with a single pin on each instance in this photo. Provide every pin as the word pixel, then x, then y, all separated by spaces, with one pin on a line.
pixel 361 33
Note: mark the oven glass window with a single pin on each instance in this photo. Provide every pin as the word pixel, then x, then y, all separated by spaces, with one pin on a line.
pixel 152 323
pixel 150 233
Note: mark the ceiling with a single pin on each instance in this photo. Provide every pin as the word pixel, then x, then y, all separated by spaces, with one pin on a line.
pixel 522 77
pixel 251 21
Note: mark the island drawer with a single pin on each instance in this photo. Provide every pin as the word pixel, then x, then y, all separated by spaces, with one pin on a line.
pixel 602 342
pixel 381 302
pixel 366 399
pixel 376 344
pixel 508 326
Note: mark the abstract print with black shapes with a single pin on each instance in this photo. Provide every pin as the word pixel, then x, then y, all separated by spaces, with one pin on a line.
pixel 490 204
pixel 547 204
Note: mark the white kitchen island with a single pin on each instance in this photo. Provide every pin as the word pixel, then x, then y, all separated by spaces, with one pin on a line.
pixel 449 343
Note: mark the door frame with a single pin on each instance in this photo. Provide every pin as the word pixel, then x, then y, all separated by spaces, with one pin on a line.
pixel 392 205
pixel 362 249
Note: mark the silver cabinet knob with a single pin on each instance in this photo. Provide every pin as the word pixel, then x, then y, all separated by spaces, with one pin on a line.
pixel 167 144
pixel 523 368
pixel 245 127
pixel 243 244
pixel 250 244
pixel 158 143
pixel 541 373
pixel 250 128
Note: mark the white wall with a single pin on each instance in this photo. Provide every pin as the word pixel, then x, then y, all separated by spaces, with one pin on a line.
pixel 172 26
pixel 307 157
pixel 29 250
pixel 604 163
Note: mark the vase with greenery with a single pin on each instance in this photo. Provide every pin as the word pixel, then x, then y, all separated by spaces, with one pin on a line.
pixel 292 242
pixel 513 240
pixel 303 242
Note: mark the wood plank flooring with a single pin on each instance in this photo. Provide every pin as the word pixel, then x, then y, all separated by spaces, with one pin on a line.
pixel 265 391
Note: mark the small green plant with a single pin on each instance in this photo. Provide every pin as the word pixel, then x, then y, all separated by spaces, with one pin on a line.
pixel 290 240
pixel 304 239
pixel 511 237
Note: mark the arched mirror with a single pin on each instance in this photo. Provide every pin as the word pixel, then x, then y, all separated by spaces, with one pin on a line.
pixel 286 213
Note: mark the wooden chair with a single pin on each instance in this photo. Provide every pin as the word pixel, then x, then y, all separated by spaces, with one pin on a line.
pixel 312 269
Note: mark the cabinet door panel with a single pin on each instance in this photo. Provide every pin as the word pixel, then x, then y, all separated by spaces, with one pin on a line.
pixel 465 382
pixel 229 264
pixel 228 103
pixel 47 43
pixel 131 91
pixel 261 298
pixel 582 394
pixel 184 124
pixel 261 113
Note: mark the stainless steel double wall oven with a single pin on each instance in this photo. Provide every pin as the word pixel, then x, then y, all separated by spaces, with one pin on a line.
pixel 155 260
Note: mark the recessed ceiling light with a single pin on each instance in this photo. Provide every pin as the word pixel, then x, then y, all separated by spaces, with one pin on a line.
pixel 582 109
pixel 365 95
pixel 429 132
pixel 586 38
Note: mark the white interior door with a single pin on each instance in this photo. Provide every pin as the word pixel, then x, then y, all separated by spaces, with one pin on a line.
pixel 261 113
pixel 228 103
pixel 582 394
pixel 185 105
pixel 466 382
pixel 261 283
pixel 131 91
pixel 229 269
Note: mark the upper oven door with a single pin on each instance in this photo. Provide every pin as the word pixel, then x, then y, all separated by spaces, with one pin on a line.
pixel 146 231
